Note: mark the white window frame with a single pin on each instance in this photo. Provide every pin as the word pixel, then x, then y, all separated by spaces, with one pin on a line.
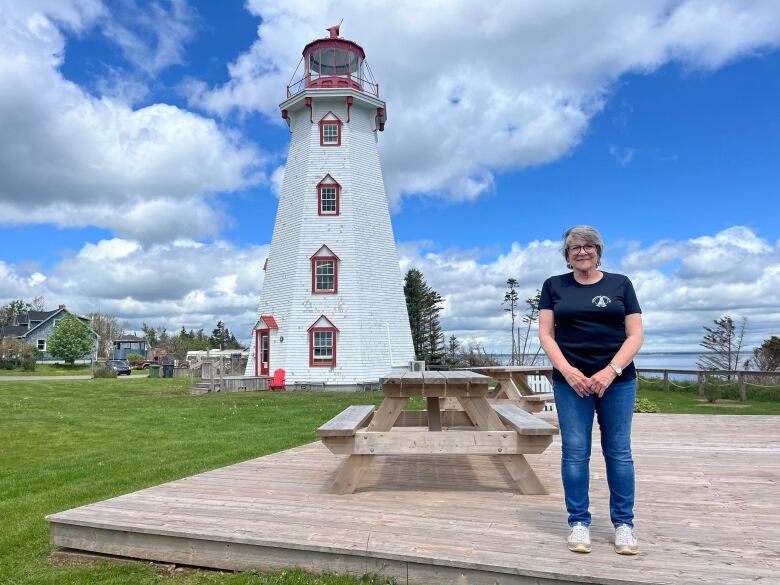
pixel 330 137
pixel 321 274
pixel 329 205
pixel 323 341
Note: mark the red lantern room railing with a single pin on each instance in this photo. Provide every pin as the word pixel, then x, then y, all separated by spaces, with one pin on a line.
pixel 333 63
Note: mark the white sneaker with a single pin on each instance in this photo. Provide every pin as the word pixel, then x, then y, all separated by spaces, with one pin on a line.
pixel 625 541
pixel 579 538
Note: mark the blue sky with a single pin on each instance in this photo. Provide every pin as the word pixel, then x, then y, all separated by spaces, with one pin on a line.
pixel 666 139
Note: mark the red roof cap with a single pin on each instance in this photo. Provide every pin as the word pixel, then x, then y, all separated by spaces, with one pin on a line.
pixel 270 321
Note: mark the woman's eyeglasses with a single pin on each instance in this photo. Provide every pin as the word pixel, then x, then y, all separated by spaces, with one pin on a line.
pixel 589 248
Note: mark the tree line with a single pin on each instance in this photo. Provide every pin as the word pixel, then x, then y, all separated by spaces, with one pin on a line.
pixel 72 339
pixel 724 340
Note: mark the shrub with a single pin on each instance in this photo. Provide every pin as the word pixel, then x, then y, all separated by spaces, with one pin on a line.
pixel 711 391
pixel 133 357
pixel 29 363
pixel 102 371
pixel 645 405
pixel 7 365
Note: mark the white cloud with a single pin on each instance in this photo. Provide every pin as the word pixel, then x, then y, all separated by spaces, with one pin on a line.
pixel 690 291
pixel 623 155
pixel 474 88
pixel 108 250
pixel 277 178
pixel 152 36
pixel 178 284
pixel 193 284
pixel 71 159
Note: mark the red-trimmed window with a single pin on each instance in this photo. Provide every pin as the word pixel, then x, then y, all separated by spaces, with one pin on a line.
pixel 330 130
pixel 324 275
pixel 328 197
pixel 322 346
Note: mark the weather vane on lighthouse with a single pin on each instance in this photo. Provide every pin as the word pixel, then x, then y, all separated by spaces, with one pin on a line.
pixel 334 30
pixel 332 309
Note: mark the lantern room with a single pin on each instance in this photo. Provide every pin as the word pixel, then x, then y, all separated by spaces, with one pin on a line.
pixel 332 63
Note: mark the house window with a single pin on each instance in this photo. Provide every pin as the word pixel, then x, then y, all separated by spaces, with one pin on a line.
pixel 330 133
pixel 41 345
pixel 322 346
pixel 324 272
pixel 327 200
pixel 328 196
pixel 330 130
pixel 325 275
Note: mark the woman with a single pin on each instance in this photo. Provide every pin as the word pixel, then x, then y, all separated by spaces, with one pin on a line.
pixel 590 326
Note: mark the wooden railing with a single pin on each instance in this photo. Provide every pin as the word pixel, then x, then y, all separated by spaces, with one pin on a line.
pixel 702 375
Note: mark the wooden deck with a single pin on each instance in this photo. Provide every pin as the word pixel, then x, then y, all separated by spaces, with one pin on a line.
pixel 708 504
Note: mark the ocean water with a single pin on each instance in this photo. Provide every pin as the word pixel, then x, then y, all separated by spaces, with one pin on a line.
pixel 661 360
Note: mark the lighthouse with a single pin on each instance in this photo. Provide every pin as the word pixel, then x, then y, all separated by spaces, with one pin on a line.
pixel 332 309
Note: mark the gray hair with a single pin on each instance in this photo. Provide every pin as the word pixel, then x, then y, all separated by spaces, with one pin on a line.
pixel 587 233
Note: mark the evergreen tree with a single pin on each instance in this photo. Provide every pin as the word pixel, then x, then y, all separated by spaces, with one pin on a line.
pixel 423 304
pixel 234 343
pixel 453 345
pixel 434 336
pixel 220 336
pixel 414 291
pixel 724 342
pixel 767 356
pixel 151 334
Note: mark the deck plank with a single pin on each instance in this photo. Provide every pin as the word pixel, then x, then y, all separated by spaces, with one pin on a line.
pixel 705 487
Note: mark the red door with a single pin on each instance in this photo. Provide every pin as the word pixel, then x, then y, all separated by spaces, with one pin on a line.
pixel 263 352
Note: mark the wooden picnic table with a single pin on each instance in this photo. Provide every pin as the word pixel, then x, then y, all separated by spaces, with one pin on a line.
pixel 513 385
pixel 480 428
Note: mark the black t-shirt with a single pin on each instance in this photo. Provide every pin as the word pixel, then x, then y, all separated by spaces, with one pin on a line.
pixel 590 320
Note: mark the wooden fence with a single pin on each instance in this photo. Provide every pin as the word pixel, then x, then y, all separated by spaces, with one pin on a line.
pixel 741 377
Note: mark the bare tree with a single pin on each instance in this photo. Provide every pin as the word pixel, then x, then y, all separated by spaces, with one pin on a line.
pixel 531 317
pixel 108 329
pixel 510 298
pixel 475 356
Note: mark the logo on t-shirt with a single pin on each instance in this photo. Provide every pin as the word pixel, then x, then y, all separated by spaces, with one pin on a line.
pixel 601 301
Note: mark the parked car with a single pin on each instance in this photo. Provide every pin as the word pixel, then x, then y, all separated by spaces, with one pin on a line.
pixel 119 366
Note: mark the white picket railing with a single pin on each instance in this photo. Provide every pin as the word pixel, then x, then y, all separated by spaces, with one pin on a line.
pixel 539 384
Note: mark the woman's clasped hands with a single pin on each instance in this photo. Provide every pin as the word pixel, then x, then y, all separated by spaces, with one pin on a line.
pixel 595 384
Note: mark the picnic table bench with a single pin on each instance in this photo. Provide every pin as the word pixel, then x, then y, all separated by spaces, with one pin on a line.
pixel 503 430
pixel 513 385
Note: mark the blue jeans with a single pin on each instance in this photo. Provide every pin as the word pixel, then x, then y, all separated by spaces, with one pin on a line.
pixel 575 415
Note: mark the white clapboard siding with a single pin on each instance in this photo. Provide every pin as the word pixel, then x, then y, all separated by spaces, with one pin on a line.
pixel 369 309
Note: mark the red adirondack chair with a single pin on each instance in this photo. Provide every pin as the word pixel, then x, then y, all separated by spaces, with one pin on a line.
pixel 278 381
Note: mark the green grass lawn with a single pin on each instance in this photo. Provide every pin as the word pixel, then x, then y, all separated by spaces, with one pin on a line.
pixel 686 400
pixel 51 370
pixel 72 442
